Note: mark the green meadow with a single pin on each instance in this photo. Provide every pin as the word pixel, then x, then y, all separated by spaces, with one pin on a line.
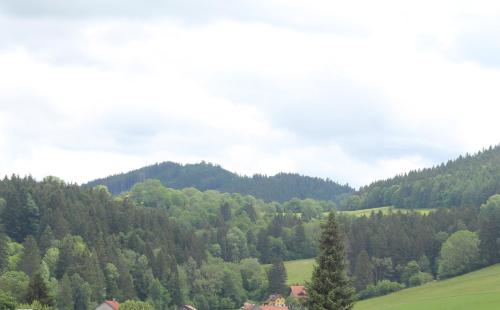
pixel 477 290
pixel 299 271
pixel 384 210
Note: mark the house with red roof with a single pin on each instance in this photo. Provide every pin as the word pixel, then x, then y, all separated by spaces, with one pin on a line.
pixel 298 291
pixel 108 305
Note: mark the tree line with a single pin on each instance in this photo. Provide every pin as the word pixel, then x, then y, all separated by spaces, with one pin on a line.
pixel 71 247
pixel 205 176
pixel 466 181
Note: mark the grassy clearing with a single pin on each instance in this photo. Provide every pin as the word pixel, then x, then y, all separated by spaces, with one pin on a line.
pixel 299 271
pixel 478 290
pixel 384 210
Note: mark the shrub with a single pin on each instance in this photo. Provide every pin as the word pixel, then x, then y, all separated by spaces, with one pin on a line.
pixel 420 278
pixel 383 287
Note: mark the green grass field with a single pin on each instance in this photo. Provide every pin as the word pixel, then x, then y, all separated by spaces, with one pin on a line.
pixel 384 210
pixel 477 290
pixel 299 271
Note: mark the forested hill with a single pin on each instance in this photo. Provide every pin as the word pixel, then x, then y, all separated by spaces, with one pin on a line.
pixel 204 176
pixel 466 181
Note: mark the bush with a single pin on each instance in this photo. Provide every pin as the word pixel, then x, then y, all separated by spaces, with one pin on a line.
pixel 459 254
pixel 136 305
pixel 384 287
pixel 420 278
pixel 7 301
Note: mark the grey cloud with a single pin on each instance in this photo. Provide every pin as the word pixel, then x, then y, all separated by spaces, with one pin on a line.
pixel 336 111
pixel 188 11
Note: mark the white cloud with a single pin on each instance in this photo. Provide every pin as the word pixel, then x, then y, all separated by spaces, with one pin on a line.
pixel 352 91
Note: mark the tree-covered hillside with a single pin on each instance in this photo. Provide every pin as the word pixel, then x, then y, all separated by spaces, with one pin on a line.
pixel 72 247
pixel 466 181
pixel 203 176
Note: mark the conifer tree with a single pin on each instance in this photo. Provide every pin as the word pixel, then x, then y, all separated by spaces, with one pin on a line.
pixel 330 289
pixel 277 278
pixel 3 250
pixel 30 261
pixel 46 239
pixel 363 271
pixel 38 290
pixel 65 294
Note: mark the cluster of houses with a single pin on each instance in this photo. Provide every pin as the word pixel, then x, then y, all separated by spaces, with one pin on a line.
pixel 278 301
pixel 274 302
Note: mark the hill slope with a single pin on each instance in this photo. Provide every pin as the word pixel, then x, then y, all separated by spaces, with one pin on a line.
pixel 465 181
pixel 476 290
pixel 203 176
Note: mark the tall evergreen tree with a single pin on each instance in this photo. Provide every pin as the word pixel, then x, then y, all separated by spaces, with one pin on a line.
pixel 277 278
pixel 30 260
pixel 46 239
pixel 363 271
pixel 330 289
pixel 38 290
pixel 65 294
pixel 3 250
pixel 81 293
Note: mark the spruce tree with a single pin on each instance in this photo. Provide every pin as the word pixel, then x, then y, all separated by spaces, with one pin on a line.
pixel 363 271
pixel 330 289
pixel 38 290
pixel 277 278
pixel 65 294
pixel 3 250
pixel 30 260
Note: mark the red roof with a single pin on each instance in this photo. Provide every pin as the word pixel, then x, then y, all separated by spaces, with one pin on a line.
pixel 298 291
pixel 248 306
pixel 113 304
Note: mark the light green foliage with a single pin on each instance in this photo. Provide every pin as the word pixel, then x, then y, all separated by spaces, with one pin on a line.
pixel 478 290
pixel 151 193
pixel 51 258
pixel 7 302
pixel 411 269
pixel 237 244
pixel 383 287
pixel 159 295
pixel 14 283
pixel 35 305
pixel 136 305
pixel 489 230
pixel 384 210
pixel 459 254
pixel 420 278
pixel 254 278
pixel 14 253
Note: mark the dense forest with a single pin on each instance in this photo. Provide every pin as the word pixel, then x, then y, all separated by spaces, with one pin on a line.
pixel 80 245
pixel 204 176
pixel 466 181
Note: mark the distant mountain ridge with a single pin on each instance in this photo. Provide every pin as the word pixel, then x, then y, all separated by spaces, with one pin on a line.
pixel 206 176
pixel 465 181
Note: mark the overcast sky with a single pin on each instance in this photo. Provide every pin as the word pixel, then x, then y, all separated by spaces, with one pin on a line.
pixel 350 90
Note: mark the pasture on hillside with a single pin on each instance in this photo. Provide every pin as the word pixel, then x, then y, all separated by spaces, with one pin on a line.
pixel 478 290
pixel 384 210
pixel 299 271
